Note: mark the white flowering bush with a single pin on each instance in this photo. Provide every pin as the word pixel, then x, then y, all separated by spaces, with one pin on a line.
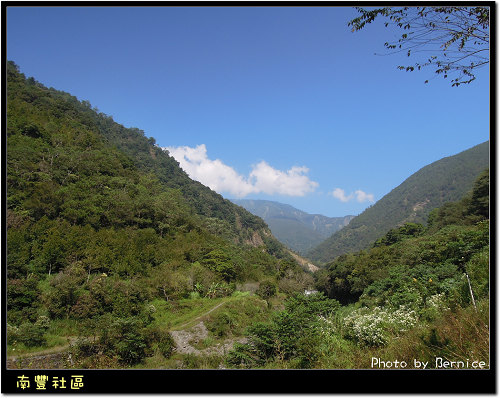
pixel 375 327
pixel 401 320
pixel 435 306
pixel 43 322
pixel 367 328
pixel 438 302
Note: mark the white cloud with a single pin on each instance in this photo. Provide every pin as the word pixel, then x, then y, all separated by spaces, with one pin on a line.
pixel 360 196
pixel 293 182
pixel 364 197
pixel 222 178
pixel 340 194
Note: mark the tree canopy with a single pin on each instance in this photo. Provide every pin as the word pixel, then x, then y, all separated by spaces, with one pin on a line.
pixel 452 40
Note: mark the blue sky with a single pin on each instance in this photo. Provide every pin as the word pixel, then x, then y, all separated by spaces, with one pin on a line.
pixel 277 103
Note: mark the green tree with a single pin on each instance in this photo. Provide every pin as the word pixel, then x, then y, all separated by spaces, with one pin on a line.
pixel 65 289
pixel 22 300
pixel 128 340
pixel 480 200
pixel 220 262
pixel 266 290
pixel 397 234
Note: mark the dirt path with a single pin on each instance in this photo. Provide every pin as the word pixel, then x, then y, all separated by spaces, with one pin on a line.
pixel 201 316
pixel 49 353
pixel 186 338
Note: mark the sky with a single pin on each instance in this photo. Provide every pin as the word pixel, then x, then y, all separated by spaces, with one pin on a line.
pixel 276 103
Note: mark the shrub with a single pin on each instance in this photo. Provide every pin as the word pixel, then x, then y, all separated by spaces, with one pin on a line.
pixel 266 289
pixel 12 334
pixel 375 327
pixel 292 335
pixel 130 344
pixel 31 334
pixel 161 340
pixel 221 324
pixel 435 306
pixel 478 268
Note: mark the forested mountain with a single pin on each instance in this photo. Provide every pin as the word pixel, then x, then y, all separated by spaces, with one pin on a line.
pixel 43 123
pixel 116 259
pixel 418 292
pixel 103 227
pixel 298 230
pixel 445 180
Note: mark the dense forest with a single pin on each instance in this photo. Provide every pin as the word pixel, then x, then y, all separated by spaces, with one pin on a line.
pixel 445 180
pixel 115 257
pixel 104 228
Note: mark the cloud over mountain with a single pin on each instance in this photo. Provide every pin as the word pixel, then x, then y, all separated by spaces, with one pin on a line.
pixel 359 195
pixel 223 178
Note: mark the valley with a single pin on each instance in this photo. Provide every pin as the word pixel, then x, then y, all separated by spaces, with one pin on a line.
pixel 296 229
pixel 117 259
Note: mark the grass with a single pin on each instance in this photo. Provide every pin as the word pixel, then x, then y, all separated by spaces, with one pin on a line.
pixel 183 313
pixel 235 316
pixel 53 342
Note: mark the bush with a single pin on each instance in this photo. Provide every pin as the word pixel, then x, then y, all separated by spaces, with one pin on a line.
pixel 292 335
pixel 435 306
pixel 221 324
pixel 31 334
pixel 161 340
pixel 130 345
pixel 478 268
pixel 266 290
pixel 375 327
pixel 12 334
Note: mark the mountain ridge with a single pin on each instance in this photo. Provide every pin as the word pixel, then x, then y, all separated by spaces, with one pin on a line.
pixel 295 228
pixel 445 180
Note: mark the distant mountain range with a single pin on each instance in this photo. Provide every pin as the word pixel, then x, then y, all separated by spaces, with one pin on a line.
pixel 298 230
pixel 445 180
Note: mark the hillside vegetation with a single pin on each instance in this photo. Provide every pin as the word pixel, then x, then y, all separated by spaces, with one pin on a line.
pixel 298 230
pixel 104 228
pixel 420 294
pixel 443 181
pixel 116 257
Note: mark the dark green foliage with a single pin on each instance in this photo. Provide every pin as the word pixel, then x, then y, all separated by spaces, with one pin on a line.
pixel 101 221
pixel 266 290
pixel 31 334
pixel 409 264
pixel 472 208
pixel 291 334
pixel 398 234
pixel 445 180
pixel 165 342
pixel 478 269
pixel 220 262
pixel 480 198
pixel 222 324
pixel 128 341
pixel 22 300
